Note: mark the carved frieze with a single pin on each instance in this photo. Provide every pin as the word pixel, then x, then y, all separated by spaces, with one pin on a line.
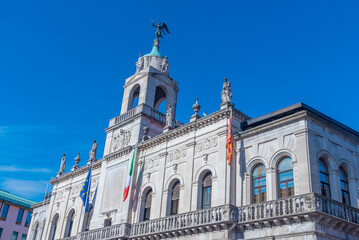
pixel 151 163
pixel 121 140
pixel 59 195
pixel 177 154
pixel 206 144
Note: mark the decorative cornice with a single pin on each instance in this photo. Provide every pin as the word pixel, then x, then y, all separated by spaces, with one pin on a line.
pixel 77 172
pixel 184 129
pixel 118 153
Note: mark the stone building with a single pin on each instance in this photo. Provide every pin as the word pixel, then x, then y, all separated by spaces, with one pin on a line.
pixel 294 173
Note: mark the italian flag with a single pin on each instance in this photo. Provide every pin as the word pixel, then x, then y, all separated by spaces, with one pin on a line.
pixel 229 144
pixel 128 181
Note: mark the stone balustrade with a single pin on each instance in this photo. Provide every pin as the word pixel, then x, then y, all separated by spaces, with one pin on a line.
pixel 142 108
pixel 287 210
pixel 182 222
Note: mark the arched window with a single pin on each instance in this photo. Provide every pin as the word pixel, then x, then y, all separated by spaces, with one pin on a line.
pixel 285 178
pixel 324 178
pixel 175 194
pixel 54 222
pixel 259 184
pixel 36 230
pixel 69 223
pixel 147 207
pixel 344 186
pixel 206 190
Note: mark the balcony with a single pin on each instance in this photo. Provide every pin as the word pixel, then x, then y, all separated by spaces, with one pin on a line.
pixel 296 209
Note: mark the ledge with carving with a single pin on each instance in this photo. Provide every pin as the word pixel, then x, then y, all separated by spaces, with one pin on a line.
pixel 185 128
pixel 80 171
pixel 297 209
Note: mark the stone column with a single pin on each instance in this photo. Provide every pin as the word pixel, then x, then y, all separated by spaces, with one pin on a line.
pixel 223 196
pixel 247 189
pixel 334 180
pixel 307 164
pixel 189 191
pixel 352 182
pixel 161 193
pixel 271 184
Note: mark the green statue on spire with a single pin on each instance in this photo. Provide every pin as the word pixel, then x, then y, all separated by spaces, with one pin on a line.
pixel 160 28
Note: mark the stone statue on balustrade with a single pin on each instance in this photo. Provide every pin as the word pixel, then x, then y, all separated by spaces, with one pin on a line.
pixel 169 117
pixel 62 166
pixel 93 152
pixel 226 92
pixel 165 65
pixel 140 63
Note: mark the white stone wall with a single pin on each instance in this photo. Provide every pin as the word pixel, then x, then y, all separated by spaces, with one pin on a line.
pixel 338 150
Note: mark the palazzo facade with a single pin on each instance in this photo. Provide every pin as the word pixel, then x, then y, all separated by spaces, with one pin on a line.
pixel 294 173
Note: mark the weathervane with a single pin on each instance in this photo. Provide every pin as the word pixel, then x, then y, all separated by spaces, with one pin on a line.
pixel 160 28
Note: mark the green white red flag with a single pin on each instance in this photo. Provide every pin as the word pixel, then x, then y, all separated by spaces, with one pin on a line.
pixel 128 181
pixel 229 144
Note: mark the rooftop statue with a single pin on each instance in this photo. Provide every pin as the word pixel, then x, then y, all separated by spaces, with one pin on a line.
pixel 226 92
pixel 169 117
pixel 160 28
pixel 63 165
pixel 93 151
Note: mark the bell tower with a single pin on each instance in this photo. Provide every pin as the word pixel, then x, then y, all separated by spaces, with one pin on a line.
pixel 144 92
pixel 151 84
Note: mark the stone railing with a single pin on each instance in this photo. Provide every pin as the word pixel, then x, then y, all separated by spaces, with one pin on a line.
pixel 125 116
pixel 142 108
pixel 112 232
pixel 336 209
pixel 210 216
pixel 275 208
pixel 251 216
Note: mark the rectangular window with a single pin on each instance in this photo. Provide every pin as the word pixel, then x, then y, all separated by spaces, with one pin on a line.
pixel 23 237
pixel 4 211
pixel 28 219
pixel 0 232
pixel 14 235
pixel 19 216
pixel 107 222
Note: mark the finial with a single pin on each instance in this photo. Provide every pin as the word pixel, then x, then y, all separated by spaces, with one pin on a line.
pixel 196 107
pixel 77 160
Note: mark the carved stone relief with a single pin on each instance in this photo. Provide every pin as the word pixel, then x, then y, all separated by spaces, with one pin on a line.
pixel 121 140
pixel 59 195
pixel 177 154
pixel 206 144
pixel 151 163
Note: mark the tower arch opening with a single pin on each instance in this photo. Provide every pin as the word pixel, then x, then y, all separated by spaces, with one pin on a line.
pixel 160 99
pixel 134 97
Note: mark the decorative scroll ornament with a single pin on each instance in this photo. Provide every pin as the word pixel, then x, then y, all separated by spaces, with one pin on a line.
pixel 121 140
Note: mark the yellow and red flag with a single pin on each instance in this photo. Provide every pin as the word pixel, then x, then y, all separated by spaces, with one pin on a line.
pixel 229 144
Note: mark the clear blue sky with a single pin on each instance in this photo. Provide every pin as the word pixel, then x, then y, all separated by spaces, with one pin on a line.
pixel 63 65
